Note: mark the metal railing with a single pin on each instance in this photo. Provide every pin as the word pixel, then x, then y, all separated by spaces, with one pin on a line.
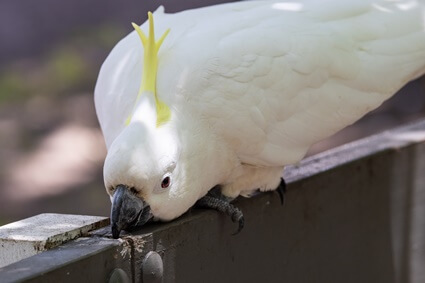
pixel 353 214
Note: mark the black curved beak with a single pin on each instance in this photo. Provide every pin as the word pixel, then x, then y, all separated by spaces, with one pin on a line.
pixel 128 211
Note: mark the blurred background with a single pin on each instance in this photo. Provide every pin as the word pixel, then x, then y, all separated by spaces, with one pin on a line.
pixel 51 147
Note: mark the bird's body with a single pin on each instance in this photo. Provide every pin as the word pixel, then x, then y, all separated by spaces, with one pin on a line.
pixel 251 86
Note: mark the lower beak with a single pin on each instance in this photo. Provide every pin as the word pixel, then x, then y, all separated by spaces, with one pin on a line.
pixel 128 211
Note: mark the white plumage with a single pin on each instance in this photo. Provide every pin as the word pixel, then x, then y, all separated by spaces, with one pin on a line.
pixel 251 86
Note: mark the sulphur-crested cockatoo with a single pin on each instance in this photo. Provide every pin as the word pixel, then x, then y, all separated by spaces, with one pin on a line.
pixel 224 97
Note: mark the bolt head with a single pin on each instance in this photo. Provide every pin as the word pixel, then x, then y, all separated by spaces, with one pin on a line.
pixel 152 268
pixel 119 276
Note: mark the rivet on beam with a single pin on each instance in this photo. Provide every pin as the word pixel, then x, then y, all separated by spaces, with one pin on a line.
pixel 152 268
pixel 119 276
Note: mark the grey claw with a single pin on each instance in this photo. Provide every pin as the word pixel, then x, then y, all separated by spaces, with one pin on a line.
pixel 240 219
pixel 217 201
pixel 281 190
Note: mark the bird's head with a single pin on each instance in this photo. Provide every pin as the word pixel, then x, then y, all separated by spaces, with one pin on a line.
pixel 160 172
pixel 145 176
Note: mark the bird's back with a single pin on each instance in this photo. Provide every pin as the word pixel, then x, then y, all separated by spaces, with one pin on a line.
pixel 272 78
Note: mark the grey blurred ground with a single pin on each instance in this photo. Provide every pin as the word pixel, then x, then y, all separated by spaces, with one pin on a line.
pixel 51 149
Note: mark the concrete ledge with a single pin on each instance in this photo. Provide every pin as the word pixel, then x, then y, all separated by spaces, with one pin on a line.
pixel 33 235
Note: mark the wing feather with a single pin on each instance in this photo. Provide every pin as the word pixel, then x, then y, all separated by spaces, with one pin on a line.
pixel 271 77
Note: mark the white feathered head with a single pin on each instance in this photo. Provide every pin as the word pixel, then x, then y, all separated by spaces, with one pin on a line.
pixel 164 159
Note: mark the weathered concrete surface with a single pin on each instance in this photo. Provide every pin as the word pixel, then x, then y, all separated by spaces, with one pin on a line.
pixel 33 235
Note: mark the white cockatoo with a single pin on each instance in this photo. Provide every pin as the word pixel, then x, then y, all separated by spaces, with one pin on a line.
pixel 227 95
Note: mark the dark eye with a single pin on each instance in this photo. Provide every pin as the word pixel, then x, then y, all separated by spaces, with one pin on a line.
pixel 165 182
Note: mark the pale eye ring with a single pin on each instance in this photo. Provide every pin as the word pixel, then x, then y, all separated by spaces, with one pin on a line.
pixel 165 182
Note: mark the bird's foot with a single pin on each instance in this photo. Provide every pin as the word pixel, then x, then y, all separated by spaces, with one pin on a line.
pixel 215 200
pixel 281 190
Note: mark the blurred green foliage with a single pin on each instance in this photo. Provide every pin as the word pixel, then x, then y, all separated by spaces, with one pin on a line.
pixel 12 85
pixel 69 67
pixel 67 70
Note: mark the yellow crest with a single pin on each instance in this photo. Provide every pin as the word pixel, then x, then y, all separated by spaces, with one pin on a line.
pixel 150 67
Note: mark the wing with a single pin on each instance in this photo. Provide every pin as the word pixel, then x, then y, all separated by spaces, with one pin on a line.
pixel 292 75
pixel 271 77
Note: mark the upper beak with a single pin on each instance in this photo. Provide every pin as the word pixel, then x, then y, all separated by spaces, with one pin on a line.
pixel 127 211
